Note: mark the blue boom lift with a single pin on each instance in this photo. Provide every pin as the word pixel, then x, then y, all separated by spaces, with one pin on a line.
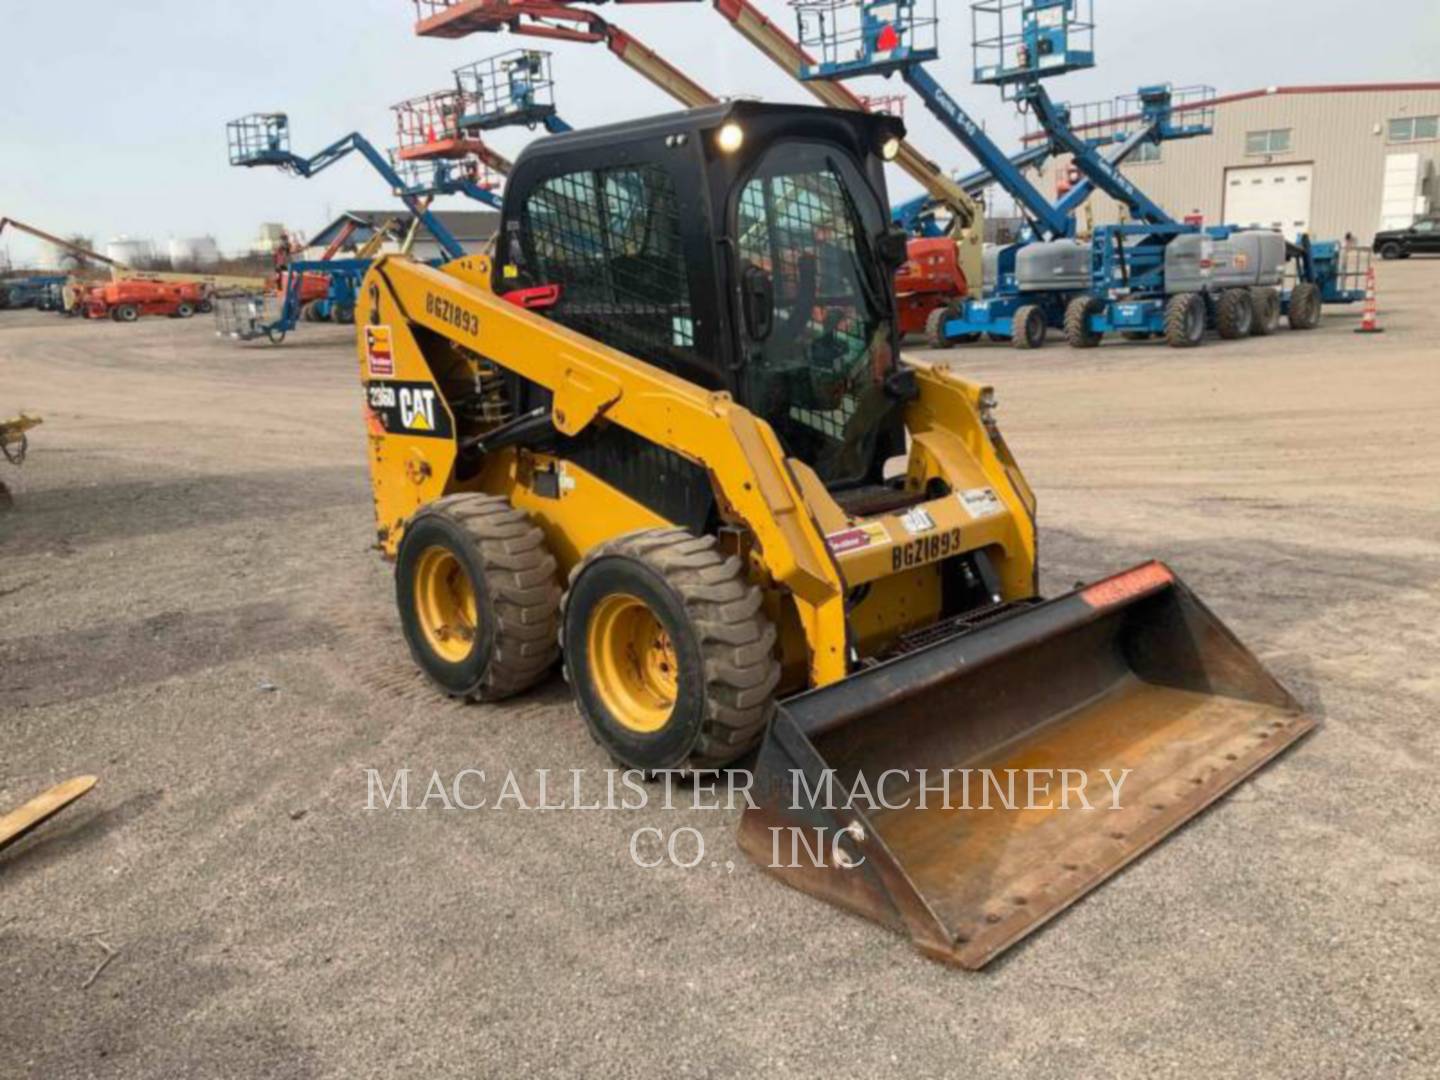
pixel 29 291
pixel 512 88
pixel 1151 275
pixel 1033 282
pixel 263 139
pixel 441 153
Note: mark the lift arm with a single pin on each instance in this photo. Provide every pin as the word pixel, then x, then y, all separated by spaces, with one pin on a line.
pixel 917 216
pixel 1077 195
pixel 1047 218
pixel 357 143
pixel 1103 173
pixel 558 20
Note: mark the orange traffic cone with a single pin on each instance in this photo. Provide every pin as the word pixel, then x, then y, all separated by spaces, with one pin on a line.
pixel 1369 321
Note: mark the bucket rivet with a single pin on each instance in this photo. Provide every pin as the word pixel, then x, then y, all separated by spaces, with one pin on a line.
pixel 1117 836
pixel 1157 806
pixel 992 918
pixel 1019 901
pixel 1197 780
pixel 1070 866
pixel 1232 757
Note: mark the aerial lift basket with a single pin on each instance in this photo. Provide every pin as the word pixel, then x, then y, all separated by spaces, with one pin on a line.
pixel 1133 675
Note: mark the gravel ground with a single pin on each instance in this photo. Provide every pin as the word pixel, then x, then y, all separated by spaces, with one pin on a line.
pixel 192 611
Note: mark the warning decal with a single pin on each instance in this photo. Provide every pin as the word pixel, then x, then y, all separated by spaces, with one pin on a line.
pixel 858 538
pixel 379 352
pixel 981 502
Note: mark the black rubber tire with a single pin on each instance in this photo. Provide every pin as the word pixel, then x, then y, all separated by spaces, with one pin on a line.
pixel 724 648
pixel 1266 302
pixel 999 339
pixel 1185 321
pixel 342 314
pixel 206 307
pixel 1234 314
pixel 935 327
pixel 275 337
pixel 1077 322
pixel 1136 335
pixel 517 595
pixel 185 311
pixel 1028 327
pixel 127 313
pixel 1305 306
pixel 1391 250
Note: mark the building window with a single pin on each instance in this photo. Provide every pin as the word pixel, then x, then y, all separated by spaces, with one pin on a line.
pixel 1268 142
pixel 1414 129
pixel 1147 151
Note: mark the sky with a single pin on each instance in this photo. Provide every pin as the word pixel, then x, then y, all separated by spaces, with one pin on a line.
pixel 112 116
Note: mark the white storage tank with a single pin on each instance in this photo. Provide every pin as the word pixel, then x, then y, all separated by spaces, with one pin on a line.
pixel 194 251
pixel 43 255
pixel 129 251
pixel 268 238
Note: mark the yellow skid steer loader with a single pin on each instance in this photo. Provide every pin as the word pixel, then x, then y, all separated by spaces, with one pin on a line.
pixel 664 433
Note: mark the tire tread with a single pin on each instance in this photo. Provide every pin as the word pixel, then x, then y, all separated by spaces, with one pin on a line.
pixel 737 641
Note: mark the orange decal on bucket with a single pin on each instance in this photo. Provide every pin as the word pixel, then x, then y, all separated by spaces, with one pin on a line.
pixel 1127 586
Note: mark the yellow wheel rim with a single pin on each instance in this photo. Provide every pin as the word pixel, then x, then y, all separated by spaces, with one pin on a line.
pixel 632 663
pixel 445 604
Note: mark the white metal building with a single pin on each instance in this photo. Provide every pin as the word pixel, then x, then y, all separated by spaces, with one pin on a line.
pixel 1327 160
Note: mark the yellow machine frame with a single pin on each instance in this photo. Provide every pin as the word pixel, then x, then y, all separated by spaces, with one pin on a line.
pixel 781 501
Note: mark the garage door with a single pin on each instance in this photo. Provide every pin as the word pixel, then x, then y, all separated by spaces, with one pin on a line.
pixel 1270 197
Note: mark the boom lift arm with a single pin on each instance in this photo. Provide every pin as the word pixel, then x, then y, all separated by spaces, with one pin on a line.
pixel 1098 170
pixel 119 270
pixel 263 139
pixel 561 21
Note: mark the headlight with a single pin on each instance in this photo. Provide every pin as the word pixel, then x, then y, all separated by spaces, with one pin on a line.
pixel 730 138
pixel 890 148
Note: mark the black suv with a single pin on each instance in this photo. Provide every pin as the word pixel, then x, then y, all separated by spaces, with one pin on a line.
pixel 1422 238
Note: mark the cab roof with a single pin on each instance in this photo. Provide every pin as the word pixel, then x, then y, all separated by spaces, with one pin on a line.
pixel 867 129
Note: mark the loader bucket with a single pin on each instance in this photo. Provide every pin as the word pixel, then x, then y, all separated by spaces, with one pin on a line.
pixel 1132 673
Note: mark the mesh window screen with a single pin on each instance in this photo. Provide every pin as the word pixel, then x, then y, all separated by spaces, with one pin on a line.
pixel 610 238
pixel 810 377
